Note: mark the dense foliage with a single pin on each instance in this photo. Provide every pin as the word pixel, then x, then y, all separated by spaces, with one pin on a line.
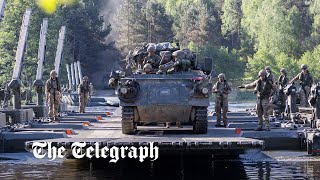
pixel 85 36
pixel 243 36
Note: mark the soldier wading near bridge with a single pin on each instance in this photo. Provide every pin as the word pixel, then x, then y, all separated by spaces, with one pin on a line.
pixel 263 89
pixel 53 94
pixel 222 90
pixel 84 92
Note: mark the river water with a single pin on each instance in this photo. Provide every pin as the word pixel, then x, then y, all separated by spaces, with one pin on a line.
pixel 264 165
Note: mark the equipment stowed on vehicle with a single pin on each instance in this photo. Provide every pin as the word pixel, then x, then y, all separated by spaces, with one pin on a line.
pixel 174 95
pixel 312 135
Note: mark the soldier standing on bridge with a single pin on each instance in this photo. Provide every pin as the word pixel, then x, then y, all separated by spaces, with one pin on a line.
pixel 53 90
pixel 282 83
pixel 306 81
pixel 91 89
pixel 222 89
pixel 274 97
pixel 83 90
pixel 270 75
pixel 264 89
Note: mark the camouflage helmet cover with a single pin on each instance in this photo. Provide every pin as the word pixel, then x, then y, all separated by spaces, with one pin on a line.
pixel 221 76
pixel 283 70
pixel 147 67
pixel 304 66
pixel 151 48
pixel 53 72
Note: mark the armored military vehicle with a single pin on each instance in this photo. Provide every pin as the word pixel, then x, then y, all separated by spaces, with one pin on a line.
pixel 178 92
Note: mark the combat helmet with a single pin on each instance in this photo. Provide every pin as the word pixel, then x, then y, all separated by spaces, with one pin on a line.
pixel 262 73
pixel 147 68
pixel 85 78
pixel 53 72
pixel 151 48
pixel 304 66
pixel 221 76
pixel 267 68
pixel 283 70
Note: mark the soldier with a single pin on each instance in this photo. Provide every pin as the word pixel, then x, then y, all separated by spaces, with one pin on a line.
pixel 282 83
pixel 7 94
pixel 91 89
pixel 53 94
pixel 222 89
pixel 270 75
pixel 274 97
pixel 306 81
pixel 83 90
pixel 263 88
pixel 152 58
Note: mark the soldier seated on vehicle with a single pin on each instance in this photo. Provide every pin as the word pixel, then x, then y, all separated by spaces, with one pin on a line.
pixel 152 58
pixel 181 62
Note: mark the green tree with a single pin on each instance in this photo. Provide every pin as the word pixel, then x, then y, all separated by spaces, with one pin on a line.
pixel 196 22
pixel 131 25
pixel 159 22
pixel 9 36
pixel 231 21
pixel 85 37
pixel 275 29
pixel 225 61
pixel 85 34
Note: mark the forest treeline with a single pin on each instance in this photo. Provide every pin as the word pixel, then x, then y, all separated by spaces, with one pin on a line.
pixel 241 36
pixel 85 36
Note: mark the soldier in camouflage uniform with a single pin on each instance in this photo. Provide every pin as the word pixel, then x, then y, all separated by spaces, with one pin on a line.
pixel 274 97
pixel 53 90
pixel 7 94
pixel 222 89
pixel 152 58
pixel 306 81
pixel 270 75
pixel 282 83
pixel 83 90
pixel 264 89
pixel 91 89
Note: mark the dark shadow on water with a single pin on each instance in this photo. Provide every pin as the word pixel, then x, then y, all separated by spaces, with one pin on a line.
pixel 173 167
pixel 167 167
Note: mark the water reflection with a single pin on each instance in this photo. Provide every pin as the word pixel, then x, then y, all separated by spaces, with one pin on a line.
pixel 166 167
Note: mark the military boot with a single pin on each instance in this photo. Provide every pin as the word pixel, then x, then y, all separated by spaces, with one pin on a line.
pixel 225 123
pixel 258 129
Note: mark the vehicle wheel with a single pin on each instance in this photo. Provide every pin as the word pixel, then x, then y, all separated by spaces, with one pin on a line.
pixel 127 122
pixel 200 125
